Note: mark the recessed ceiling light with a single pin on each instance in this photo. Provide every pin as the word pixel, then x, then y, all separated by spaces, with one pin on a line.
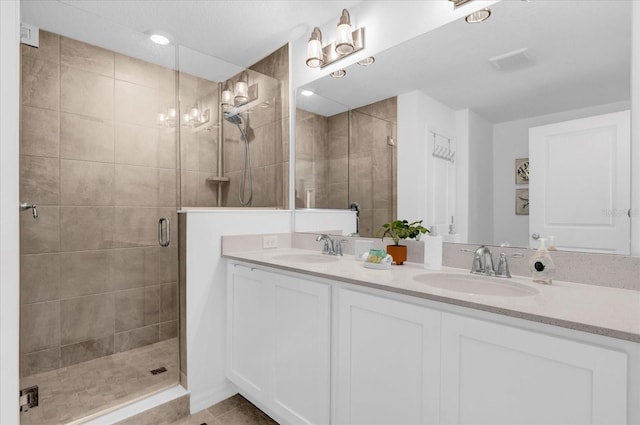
pixel 338 73
pixel 307 93
pixel 159 38
pixel 367 61
pixel 478 16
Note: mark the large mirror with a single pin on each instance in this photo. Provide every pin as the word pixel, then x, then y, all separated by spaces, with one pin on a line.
pixel 476 91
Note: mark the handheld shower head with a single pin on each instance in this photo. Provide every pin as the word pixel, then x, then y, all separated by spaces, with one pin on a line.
pixel 233 117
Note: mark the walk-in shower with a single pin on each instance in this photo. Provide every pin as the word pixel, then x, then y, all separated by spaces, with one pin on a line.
pixel 106 153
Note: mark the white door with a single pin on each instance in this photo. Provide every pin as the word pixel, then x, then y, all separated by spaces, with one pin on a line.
pixel 496 374
pixel 387 362
pixel 580 183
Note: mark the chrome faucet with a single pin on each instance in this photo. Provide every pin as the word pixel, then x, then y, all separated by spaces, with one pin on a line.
pixel 327 249
pixel 503 265
pixel 338 246
pixel 482 262
pixel 330 246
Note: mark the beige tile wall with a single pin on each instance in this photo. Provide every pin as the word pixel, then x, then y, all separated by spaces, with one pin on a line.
pixel 93 279
pixel 268 134
pixel 268 130
pixel 372 175
pixel 346 158
pixel 199 148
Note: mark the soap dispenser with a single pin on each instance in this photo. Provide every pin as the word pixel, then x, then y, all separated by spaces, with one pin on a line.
pixel 433 250
pixel 541 264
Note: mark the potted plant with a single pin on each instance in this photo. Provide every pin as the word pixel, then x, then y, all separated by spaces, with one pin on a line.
pixel 397 230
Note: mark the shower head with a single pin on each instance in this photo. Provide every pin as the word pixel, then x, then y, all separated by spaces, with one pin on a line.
pixel 233 117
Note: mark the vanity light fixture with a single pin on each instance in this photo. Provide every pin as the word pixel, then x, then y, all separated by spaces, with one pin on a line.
pixel 458 3
pixel 366 61
pixel 196 117
pixel 478 16
pixel 344 36
pixel 315 57
pixel 338 73
pixel 238 93
pixel 168 118
pixel 241 89
pixel 348 41
pixel 227 96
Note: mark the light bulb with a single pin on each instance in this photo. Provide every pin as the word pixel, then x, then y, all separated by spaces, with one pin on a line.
pixel 241 89
pixel 315 57
pixel 226 98
pixel 344 36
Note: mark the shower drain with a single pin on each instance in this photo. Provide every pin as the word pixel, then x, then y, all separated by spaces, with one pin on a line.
pixel 158 370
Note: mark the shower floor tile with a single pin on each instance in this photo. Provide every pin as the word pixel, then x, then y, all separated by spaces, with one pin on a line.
pixel 73 392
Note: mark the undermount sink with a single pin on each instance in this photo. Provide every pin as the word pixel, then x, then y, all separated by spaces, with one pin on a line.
pixel 305 258
pixel 476 285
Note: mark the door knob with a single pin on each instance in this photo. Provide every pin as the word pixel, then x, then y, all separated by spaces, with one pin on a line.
pixel 535 236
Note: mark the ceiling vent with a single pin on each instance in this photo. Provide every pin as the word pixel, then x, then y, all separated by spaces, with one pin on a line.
pixel 511 61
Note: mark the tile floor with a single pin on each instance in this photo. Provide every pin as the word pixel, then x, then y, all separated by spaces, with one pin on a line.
pixel 76 391
pixel 233 411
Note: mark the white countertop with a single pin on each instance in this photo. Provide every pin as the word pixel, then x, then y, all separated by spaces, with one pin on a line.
pixel 606 311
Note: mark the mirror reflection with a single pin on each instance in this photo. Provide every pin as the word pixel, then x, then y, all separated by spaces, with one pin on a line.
pixel 474 93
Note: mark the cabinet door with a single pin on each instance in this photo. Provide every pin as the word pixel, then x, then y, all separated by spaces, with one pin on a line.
pixel 248 333
pixel 497 374
pixel 301 349
pixel 388 361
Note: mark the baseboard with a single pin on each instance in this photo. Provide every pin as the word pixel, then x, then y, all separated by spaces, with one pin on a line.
pixel 209 398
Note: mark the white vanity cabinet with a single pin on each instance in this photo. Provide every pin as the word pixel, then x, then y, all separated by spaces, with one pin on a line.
pixel 397 359
pixel 387 361
pixel 498 374
pixel 278 343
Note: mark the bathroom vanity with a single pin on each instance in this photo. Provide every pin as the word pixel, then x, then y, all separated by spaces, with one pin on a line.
pixel 319 339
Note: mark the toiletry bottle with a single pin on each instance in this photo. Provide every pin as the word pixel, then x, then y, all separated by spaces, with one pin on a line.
pixel 453 235
pixel 541 265
pixel 551 246
pixel 433 250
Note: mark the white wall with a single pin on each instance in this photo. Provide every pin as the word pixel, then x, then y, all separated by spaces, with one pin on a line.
pixel 511 141
pixel 480 179
pixel 9 219
pixel 206 287
pixel 387 23
pixel 314 220
pixel 417 115
pixel 206 294
pixel 635 131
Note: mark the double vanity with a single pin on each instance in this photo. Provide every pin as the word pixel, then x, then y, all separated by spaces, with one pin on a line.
pixel 321 339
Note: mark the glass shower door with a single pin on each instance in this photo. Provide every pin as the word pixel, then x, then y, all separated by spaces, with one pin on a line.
pixel 99 297
pixel 372 164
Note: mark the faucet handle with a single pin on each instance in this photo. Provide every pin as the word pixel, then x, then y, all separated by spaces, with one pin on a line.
pixel 503 265
pixel 338 246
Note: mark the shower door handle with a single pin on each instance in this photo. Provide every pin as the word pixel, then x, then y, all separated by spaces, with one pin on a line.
pixel 164 232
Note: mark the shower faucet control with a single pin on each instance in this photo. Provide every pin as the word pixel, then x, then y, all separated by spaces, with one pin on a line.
pixel 34 210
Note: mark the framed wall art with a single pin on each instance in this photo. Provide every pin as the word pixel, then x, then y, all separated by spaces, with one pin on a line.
pixel 522 201
pixel 522 171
